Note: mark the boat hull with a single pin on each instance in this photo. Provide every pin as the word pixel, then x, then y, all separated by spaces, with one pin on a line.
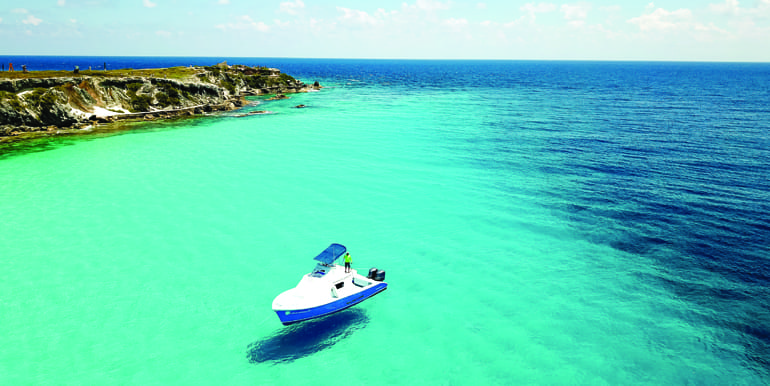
pixel 289 317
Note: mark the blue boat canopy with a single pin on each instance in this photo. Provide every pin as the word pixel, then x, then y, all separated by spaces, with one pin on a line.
pixel 333 252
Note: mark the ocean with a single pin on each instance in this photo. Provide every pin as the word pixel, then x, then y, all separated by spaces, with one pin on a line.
pixel 539 223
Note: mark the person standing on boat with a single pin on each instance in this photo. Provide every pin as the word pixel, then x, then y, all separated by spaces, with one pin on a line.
pixel 348 260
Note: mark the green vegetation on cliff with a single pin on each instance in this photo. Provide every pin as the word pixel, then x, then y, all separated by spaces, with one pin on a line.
pixel 138 102
pixel 168 96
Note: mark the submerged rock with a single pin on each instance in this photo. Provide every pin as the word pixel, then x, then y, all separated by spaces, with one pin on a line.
pixel 250 113
pixel 278 97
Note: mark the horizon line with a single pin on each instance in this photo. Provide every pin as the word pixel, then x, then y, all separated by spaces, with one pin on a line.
pixel 401 59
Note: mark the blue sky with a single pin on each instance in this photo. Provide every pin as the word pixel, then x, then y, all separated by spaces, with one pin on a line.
pixel 683 30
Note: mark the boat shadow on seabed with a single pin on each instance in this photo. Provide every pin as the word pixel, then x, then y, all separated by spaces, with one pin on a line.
pixel 306 338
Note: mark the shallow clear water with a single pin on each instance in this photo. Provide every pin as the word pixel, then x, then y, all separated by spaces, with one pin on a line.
pixel 539 222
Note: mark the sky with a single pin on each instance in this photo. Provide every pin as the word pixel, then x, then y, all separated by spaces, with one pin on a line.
pixel 676 30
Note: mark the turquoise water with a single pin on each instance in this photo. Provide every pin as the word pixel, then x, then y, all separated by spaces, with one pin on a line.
pixel 546 229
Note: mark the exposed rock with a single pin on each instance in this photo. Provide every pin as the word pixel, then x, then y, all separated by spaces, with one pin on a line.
pixel 278 97
pixel 257 112
pixel 54 109
pixel 69 100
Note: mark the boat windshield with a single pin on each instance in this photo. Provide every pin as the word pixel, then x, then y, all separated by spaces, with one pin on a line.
pixel 320 270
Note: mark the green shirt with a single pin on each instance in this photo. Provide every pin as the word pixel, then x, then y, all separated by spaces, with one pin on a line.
pixel 348 259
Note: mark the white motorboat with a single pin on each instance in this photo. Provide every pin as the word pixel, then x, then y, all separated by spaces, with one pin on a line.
pixel 327 289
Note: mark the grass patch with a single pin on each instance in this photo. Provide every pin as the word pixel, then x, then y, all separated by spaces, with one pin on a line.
pixel 169 73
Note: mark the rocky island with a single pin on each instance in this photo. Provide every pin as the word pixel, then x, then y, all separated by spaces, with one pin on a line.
pixel 55 101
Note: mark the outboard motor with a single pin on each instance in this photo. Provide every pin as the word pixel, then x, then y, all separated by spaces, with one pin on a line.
pixel 372 273
pixel 380 275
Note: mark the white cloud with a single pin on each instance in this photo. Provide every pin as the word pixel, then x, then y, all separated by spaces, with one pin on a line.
pixel 223 2
pixel 18 10
pixel 733 8
pixel 456 24
pixel 291 7
pixel 538 8
pixel 73 21
pixel 148 3
pixel 575 12
pixel 61 2
pixel 427 5
pixel 481 5
pixel 745 22
pixel 430 5
pixel 729 7
pixel 356 17
pixel 244 23
pixel 649 7
pixel 281 24
pixel 610 8
pixel 410 16
pixel 661 19
pixel 1 19
pixel 531 10
pixel 515 23
pixel 682 20
pixel 31 20
pixel 381 13
pixel 315 23
pixel 612 15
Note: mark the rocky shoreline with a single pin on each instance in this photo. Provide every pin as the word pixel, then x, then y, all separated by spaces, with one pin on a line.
pixel 51 103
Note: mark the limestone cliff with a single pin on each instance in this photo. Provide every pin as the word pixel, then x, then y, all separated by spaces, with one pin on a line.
pixel 59 99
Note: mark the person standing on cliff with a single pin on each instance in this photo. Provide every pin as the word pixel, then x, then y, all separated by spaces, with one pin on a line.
pixel 348 260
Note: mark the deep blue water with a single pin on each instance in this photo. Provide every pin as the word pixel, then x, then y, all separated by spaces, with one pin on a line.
pixel 666 163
